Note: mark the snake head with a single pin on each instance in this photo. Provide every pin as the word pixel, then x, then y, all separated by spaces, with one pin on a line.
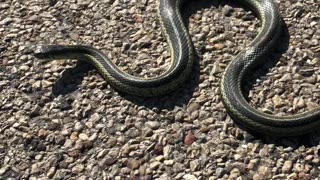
pixel 46 52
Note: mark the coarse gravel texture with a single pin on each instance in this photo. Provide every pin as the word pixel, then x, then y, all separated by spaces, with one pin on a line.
pixel 61 120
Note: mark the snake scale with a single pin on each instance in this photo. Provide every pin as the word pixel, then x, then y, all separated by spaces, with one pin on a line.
pixel 180 68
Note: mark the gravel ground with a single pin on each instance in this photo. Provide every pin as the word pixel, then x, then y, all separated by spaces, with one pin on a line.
pixel 61 120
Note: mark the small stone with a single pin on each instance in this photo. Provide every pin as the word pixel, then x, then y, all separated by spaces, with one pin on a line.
pixel 51 172
pixel 311 105
pixel 220 172
pixel 313 23
pixel 257 177
pixel 107 161
pixel 74 7
pixel 73 153
pixel 189 139
pixel 227 10
pixel 133 163
pixel 154 165
pixel 309 157
pixel 234 173
pixel 132 133
pixel 36 85
pixel 285 77
pixel 74 136
pixel 219 46
pixel 237 157
pixel 95 117
pixel 167 151
pixel 79 126
pixel 204 129
pixel 74 36
pixel 179 116
pixel 193 107
pixel 178 167
pixel 60 140
pixel 299 167
pixel 189 177
pixel 147 132
pixel 316 161
pixel 153 125
pixel 159 158
pixel 303 175
pixel 277 101
pixel 24 68
pixel 194 115
pixel 287 166
pixel 194 165
pixel 77 169
pixel 168 162
pixel 35 168
pixel 314 172
pixel 216 69
pixel 300 103
pixel 93 137
pixel 61 174
pixel 264 171
pixel 4 169
pixel 83 136
pixel 112 141
pixel 42 133
pixel 46 84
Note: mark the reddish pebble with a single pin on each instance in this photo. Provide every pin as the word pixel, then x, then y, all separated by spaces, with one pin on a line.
pixel 189 139
pixel 42 133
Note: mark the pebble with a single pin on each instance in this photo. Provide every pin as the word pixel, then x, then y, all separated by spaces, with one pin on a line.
pixel 107 161
pixel 194 165
pixel 190 138
pixel 95 117
pixel 287 166
pixel 154 165
pixel 77 169
pixel 73 153
pixel 177 167
pixel 133 163
pixel 179 116
pixel 168 162
pixel 219 46
pixel 153 124
pixel 79 126
pixel 193 107
pixel 51 172
pixel 189 177
pixel 83 136
pixel 257 177
pixel 220 172
pixel 24 68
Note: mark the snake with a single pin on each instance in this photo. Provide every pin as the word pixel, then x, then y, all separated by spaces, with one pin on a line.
pixel 181 64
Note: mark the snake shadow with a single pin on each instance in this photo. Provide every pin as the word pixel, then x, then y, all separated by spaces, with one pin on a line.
pixel 71 79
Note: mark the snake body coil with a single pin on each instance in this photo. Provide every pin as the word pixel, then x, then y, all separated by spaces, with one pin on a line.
pixel 181 65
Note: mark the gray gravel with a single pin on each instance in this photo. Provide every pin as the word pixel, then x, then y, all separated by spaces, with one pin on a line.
pixel 61 120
